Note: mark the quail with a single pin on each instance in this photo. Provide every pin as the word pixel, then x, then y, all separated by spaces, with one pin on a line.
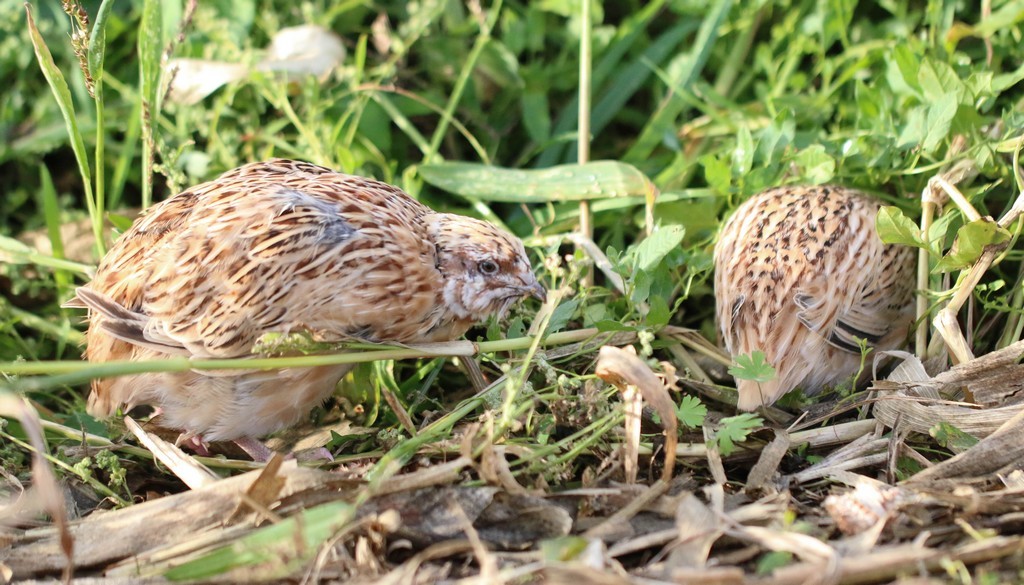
pixel 802 275
pixel 284 246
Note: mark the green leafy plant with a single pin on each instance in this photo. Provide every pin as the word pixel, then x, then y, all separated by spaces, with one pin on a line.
pixel 947 435
pixel 735 429
pixel 691 412
pixel 753 367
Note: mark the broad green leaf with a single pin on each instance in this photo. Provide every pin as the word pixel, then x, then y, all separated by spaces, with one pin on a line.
pixel 938 79
pixel 773 560
pixel 717 173
pixel 939 231
pixel 949 436
pixel 836 17
pixel 691 412
pixel 641 281
pixel 743 154
pixel 908 64
pixel 13 251
pixel 59 86
pixel 574 182
pixel 895 228
pixel 98 43
pixel 610 325
pixel 818 167
pixel 915 128
pixel 870 104
pixel 734 429
pixel 659 313
pixel 776 138
pixel 594 313
pixel 566 548
pixel 938 120
pixel 971 240
pixel 1007 80
pixel 980 84
pixel 651 251
pixel 752 367
pixel 536 116
pixel 561 315
pixel 500 64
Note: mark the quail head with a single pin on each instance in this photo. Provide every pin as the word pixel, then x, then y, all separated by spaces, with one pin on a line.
pixel 801 275
pixel 284 246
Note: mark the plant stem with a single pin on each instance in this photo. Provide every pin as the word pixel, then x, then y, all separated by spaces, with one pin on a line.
pixel 583 125
pixel 74 371
pixel 97 219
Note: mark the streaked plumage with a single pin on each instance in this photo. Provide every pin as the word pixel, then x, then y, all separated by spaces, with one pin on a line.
pixel 801 274
pixel 284 246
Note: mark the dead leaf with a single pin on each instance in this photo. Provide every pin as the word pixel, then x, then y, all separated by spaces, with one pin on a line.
pixel 622 369
pixel 194 474
pixel 45 486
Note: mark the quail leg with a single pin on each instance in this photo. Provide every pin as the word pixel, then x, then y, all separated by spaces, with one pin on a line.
pixel 261 453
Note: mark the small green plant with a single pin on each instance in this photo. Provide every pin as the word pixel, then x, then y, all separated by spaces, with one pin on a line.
pixel 735 429
pixel 951 437
pixel 865 350
pixel 691 412
pixel 753 367
pixel 907 468
pixel 773 560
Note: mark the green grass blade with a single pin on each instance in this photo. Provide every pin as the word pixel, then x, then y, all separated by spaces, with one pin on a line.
pixel 271 552
pixel 630 33
pixel 15 252
pixel 709 32
pixel 51 213
pixel 631 78
pixel 460 84
pixel 95 56
pixel 62 93
pixel 403 123
pixel 128 151
pixel 150 46
pixel 61 332
pixel 565 215
pixel 98 42
pixel 594 180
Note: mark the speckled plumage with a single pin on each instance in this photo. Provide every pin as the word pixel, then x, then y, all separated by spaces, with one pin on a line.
pixel 801 274
pixel 284 246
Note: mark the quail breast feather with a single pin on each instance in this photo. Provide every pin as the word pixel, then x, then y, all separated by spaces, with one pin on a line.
pixel 284 246
pixel 801 275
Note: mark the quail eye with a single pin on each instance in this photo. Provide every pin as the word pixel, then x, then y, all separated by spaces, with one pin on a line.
pixel 488 267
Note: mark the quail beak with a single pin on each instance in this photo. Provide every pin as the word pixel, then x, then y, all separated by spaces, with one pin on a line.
pixel 536 291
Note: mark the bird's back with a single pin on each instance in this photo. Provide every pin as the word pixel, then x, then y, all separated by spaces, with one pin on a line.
pixel 802 276
pixel 272 246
